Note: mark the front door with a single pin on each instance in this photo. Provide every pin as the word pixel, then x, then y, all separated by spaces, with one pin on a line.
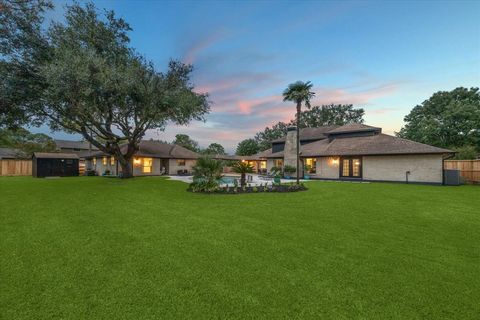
pixel 351 167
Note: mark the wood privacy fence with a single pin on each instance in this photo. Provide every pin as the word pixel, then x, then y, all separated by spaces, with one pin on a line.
pixel 15 167
pixel 469 169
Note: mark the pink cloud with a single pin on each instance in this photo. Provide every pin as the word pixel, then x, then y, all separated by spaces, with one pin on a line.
pixel 246 106
pixel 202 44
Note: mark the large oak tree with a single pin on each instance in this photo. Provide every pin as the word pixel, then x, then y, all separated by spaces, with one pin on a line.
pixel 96 85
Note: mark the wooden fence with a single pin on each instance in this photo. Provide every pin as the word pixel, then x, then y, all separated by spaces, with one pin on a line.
pixel 15 167
pixel 469 169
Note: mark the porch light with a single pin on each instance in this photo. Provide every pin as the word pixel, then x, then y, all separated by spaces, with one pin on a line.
pixel 136 161
pixel 335 161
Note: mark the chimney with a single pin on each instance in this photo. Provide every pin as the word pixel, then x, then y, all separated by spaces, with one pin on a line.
pixel 290 151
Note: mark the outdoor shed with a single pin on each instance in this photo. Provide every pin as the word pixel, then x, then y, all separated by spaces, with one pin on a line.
pixel 54 165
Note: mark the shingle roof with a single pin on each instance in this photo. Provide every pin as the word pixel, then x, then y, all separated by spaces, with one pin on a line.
pixel 353 127
pixel 311 133
pixel 157 149
pixel 380 144
pixel 54 155
pixel 69 144
pixel 10 153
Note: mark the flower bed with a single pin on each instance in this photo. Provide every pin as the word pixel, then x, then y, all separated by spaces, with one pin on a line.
pixel 254 189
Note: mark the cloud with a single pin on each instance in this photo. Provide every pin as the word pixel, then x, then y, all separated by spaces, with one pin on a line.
pixel 203 43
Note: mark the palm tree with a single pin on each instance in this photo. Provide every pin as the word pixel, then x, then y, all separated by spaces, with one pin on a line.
pixel 242 168
pixel 299 92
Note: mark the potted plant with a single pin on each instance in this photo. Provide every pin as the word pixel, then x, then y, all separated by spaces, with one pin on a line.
pixel 307 170
pixel 288 170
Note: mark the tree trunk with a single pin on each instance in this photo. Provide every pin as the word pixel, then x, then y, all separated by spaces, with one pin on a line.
pixel 299 105
pixel 242 180
pixel 126 164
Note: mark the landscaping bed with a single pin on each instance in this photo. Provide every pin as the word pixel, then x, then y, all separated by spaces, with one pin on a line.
pixel 252 189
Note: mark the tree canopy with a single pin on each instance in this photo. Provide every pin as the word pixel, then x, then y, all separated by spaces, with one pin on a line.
pixel 448 119
pixel 185 141
pixel 214 149
pixel 26 142
pixel 247 147
pixel 86 79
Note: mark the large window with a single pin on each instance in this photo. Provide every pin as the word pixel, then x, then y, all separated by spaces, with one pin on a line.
pixel 94 161
pixel 104 161
pixel 181 162
pixel 351 167
pixel 112 161
pixel 147 165
pixel 311 165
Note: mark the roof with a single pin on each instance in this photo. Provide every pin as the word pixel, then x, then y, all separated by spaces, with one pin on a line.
pixel 311 133
pixel 69 144
pixel 353 127
pixel 10 153
pixel 156 149
pixel 54 155
pixel 380 144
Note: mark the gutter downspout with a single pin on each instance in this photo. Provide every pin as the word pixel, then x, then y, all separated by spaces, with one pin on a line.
pixel 449 156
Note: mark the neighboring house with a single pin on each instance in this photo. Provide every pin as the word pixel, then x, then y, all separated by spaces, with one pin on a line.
pixel 81 148
pixel 152 158
pixel 10 153
pixel 356 152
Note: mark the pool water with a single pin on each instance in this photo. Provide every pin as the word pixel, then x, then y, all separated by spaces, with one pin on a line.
pixel 227 180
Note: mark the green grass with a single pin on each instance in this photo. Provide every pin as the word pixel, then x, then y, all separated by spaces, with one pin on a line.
pixel 94 248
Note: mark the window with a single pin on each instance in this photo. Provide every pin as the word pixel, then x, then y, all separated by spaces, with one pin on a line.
pixel 346 168
pixel 311 165
pixel 104 161
pixel 278 163
pixel 112 161
pixel 356 167
pixel 94 161
pixel 181 162
pixel 263 164
pixel 147 165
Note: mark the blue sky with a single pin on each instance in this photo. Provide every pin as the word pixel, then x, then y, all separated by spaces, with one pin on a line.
pixel 383 56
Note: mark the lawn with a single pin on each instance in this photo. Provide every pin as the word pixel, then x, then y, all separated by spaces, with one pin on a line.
pixel 96 248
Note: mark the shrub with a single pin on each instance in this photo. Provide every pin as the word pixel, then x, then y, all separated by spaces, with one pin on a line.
pixel 289 169
pixel 206 174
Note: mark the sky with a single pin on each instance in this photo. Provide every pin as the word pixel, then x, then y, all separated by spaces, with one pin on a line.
pixel 385 57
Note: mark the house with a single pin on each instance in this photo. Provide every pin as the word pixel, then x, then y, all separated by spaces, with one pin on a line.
pixel 81 148
pixel 356 152
pixel 152 158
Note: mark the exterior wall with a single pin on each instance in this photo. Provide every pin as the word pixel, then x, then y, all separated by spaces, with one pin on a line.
pixel 100 167
pixel 327 168
pixel 173 167
pixel 423 168
pixel 270 164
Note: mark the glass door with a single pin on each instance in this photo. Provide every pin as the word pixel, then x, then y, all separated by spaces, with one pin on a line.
pixel 351 167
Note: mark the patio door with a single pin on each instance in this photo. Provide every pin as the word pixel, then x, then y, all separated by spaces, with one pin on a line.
pixel 351 167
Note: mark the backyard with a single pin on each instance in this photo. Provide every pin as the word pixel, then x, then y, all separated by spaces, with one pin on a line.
pixel 144 248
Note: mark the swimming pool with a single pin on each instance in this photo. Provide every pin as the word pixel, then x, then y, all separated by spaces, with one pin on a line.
pixel 228 180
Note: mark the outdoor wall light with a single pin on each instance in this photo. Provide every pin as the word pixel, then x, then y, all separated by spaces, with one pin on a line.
pixel 136 161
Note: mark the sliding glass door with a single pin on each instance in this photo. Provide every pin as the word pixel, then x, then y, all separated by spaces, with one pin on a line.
pixel 351 167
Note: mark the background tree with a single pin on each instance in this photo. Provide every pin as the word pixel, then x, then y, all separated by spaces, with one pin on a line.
pixel 26 142
pixel 23 46
pixel 448 119
pixel 96 85
pixel 185 141
pixel 214 149
pixel 325 115
pixel 247 147
pixel 299 92
pixel 264 138
pixel 333 114
pixel 466 153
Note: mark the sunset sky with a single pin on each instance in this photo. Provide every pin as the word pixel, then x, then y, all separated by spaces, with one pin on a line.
pixel 383 56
